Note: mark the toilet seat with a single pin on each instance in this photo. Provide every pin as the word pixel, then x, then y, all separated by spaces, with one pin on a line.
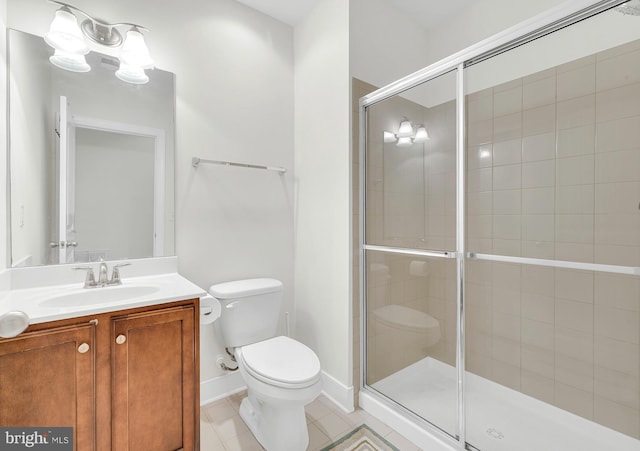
pixel 281 361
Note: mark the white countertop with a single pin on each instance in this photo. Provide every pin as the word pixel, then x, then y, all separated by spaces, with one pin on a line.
pixel 145 291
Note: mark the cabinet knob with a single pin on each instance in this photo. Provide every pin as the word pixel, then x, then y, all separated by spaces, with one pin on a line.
pixel 120 339
pixel 84 347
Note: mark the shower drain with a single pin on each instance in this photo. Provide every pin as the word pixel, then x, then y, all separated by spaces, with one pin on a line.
pixel 494 433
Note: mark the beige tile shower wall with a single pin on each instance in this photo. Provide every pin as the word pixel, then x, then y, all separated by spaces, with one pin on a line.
pixel 554 172
pixel 569 338
pixel 440 177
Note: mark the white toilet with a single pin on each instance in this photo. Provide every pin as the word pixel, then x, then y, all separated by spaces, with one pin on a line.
pixel 282 374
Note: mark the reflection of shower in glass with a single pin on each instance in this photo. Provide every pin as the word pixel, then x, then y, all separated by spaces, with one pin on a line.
pixel 405 136
pixel 631 8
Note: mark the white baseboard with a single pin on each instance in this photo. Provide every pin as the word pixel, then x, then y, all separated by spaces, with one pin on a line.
pixel 338 392
pixel 220 387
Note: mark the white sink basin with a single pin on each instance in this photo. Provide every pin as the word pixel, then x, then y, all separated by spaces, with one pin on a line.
pixel 99 296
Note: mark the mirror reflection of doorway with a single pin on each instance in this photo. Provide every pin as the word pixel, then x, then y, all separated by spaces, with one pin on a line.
pixel 110 189
pixel 114 192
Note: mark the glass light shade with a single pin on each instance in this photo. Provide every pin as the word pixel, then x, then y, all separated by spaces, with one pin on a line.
pixel 421 135
pixel 405 130
pixel 69 61
pixel 135 52
pixel 65 35
pixel 389 137
pixel 404 141
pixel 132 74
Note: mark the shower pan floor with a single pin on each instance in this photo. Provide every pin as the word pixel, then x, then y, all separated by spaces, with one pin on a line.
pixel 498 418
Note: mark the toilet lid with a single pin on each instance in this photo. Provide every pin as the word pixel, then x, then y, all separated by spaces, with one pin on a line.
pixel 281 361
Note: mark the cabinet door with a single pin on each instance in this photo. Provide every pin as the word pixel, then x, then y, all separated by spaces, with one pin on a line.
pixel 155 381
pixel 47 380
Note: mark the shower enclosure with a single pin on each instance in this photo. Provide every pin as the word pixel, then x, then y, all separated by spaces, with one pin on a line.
pixel 500 257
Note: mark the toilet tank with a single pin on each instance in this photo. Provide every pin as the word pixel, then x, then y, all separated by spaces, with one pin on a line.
pixel 250 310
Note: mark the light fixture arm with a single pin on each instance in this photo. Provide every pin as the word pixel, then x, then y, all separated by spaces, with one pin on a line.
pixel 66 5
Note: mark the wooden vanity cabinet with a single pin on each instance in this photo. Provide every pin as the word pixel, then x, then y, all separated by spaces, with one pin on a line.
pixel 153 355
pixel 125 380
pixel 47 379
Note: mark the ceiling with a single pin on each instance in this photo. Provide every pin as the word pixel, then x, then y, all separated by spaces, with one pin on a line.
pixel 426 12
pixel 287 11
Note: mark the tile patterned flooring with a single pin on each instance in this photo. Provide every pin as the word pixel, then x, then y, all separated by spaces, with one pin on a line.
pixel 222 429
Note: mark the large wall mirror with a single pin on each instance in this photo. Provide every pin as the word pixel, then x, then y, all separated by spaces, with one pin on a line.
pixel 91 160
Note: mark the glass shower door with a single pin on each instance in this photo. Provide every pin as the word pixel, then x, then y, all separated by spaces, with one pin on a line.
pixel 410 251
pixel 553 282
pixel 506 311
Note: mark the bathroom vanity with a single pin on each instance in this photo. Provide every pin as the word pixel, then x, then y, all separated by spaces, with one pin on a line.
pixel 123 374
pixel 120 364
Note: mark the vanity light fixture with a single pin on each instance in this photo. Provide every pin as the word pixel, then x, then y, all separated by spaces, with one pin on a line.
pixel 405 136
pixel 71 42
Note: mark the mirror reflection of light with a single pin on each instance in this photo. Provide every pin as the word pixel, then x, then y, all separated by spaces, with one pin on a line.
pixel 389 137
pixel 132 74
pixel 69 61
pixel 404 141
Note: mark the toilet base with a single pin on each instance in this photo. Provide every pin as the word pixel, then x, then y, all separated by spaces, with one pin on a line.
pixel 277 428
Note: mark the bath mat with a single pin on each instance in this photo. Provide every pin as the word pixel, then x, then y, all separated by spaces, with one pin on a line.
pixel 362 438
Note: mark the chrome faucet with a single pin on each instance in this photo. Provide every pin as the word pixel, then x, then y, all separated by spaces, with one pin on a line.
pixel 103 275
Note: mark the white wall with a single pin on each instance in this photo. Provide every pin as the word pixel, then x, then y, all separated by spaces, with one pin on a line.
pixel 322 169
pixel 234 72
pixel 113 219
pixel 32 127
pixel 480 20
pixel 4 236
pixel 234 85
pixel 385 43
